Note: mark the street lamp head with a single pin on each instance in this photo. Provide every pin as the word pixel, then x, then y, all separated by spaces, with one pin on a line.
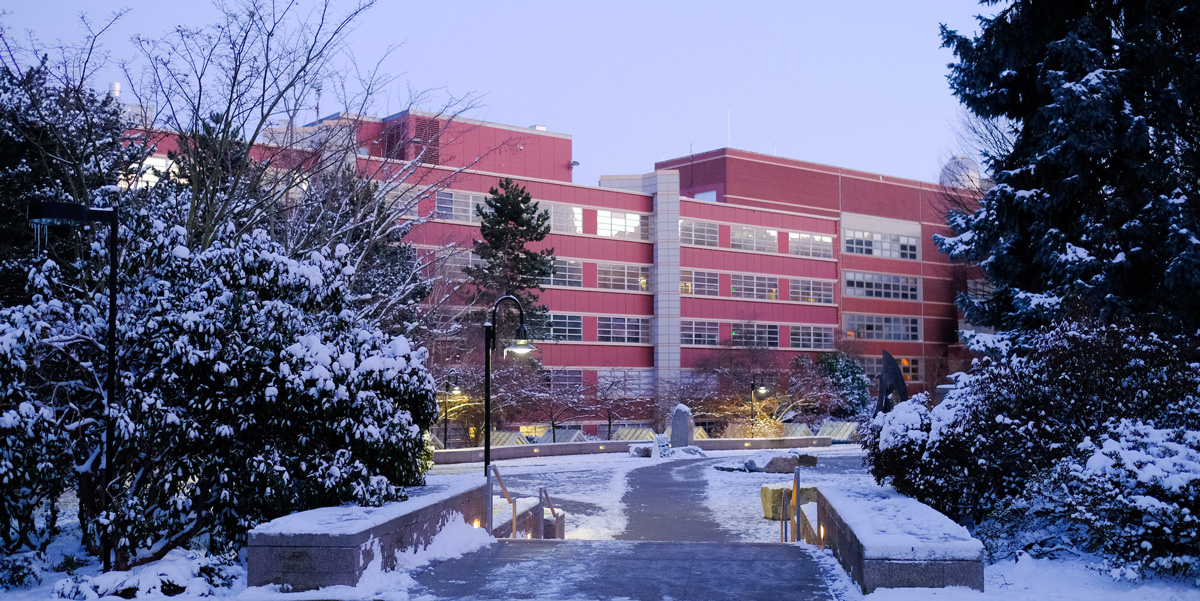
pixel 763 389
pixel 455 389
pixel 520 343
pixel 58 213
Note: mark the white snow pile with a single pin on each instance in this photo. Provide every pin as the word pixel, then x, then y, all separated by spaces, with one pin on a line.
pixel 892 526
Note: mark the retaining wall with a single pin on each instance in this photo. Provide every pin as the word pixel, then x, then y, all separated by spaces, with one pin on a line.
pixel 475 454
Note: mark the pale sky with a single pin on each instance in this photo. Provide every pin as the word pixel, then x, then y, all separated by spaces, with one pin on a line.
pixel 852 84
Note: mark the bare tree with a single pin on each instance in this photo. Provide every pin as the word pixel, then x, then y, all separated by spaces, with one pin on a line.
pixel 615 398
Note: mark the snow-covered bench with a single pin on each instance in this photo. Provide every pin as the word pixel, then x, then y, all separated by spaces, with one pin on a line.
pixel 887 540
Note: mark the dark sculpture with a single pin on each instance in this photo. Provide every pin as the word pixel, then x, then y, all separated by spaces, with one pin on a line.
pixel 890 380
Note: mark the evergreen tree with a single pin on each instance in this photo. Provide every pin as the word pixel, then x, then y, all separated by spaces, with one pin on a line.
pixel 509 221
pixel 1095 207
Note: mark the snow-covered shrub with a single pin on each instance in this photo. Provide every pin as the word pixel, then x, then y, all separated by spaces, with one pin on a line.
pixel 248 388
pixel 1011 421
pixel 850 379
pixel 1138 493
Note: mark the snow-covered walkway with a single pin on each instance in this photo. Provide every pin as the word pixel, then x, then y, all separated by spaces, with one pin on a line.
pixel 665 502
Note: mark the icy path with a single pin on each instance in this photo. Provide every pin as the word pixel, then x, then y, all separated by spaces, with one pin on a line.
pixel 666 502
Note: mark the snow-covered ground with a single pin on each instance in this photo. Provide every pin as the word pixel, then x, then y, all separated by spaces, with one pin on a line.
pixel 591 488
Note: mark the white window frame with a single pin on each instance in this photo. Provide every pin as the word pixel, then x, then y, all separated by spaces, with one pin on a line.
pixel 565 219
pixel 754 286
pixel 699 333
pixel 565 328
pixel 763 335
pixel 815 338
pixel 804 244
pixel 878 244
pixel 811 291
pixel 622 225
pixel 567 273
pixel 699 233
pixel 905 328
pixel 452 205
pixel 758 239
pixel 699 283
pixel 628 330
pixel 623 276
pixel 865 284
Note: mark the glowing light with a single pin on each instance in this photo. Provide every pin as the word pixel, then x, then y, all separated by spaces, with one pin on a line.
pixel 822 533
pixel 535 450
pixel 747 444
pixel 601 447
pixel 475 523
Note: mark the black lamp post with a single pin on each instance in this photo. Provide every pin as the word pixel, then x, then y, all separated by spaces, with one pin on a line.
pixel 520 346
pixel 66 213
pixel 757 384
pixel 450 389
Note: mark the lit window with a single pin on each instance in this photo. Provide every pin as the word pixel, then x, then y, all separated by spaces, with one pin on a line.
pixel 910 368
pixel 617 276
pixel 812 291
pixel 706 283
pixel 882 327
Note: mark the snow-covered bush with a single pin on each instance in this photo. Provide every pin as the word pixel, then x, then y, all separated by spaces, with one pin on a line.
pixel 850 379
pixel 1014 418
pixel 1138 494
pixel 248 389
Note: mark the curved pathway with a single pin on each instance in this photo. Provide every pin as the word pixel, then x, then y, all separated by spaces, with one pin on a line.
pixel 665 502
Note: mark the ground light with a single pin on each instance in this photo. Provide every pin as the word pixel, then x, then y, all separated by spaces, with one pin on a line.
pixel 42 214
pixel 519 346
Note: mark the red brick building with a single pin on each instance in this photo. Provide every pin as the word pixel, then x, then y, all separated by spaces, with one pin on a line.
pixel 657 270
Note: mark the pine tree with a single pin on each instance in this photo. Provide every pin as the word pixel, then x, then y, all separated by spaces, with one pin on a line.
pixel 509 221
pixel 1095 206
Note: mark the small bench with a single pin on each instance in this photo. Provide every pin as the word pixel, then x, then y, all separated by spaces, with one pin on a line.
pixel 887 540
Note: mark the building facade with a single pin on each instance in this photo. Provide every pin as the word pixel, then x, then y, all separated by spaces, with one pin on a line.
pixel 657 272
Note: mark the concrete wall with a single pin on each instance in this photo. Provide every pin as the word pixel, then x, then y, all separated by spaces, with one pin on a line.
pixel 309 561
pixel 475 454
pixel 870 574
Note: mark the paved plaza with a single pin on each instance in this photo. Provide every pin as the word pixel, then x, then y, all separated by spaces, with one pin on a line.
pixel 672 548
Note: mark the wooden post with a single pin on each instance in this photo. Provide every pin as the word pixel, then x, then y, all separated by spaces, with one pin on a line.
pixel 795 505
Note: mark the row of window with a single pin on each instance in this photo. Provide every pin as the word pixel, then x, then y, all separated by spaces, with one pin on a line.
pixel 707 333
pixel 910 368
pixel 707 283
pixel 632 330
pixel 461 206
pixel 759 239
pixel 883 327
pixel 875 244
pixel 621 276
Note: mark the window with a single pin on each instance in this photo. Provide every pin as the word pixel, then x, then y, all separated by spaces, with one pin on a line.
pixel 753 286
pixel 623 329
pixel 627 382
pixel 755 334
pixel 710 196
pixel 451 264
pixel 882 285
pixel 882 327
pixel 699 233
pixel 812 291
pixel 810 245
pixel 567 272
pixel 909 368
pixel 812 337
pixel 458 206
pixel 874 244
pixel 615 276
pixel 566 327
pixel 403 196
pixel 753 238
pixel 706 283
pixel 564 378
pixel 628 226
pixel 566 220
pixel 705 333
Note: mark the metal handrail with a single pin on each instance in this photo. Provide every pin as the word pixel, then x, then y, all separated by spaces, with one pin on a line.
pixel 504 489
pixel 549 503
